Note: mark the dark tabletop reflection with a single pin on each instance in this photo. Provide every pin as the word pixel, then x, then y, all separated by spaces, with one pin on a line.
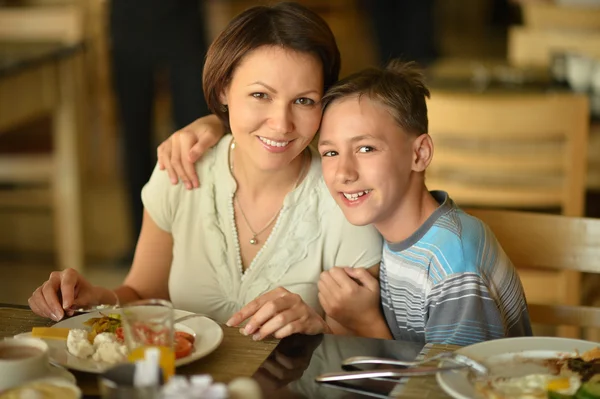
pixel 291 369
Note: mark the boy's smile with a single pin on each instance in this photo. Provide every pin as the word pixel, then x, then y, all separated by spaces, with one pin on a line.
pixel 356 197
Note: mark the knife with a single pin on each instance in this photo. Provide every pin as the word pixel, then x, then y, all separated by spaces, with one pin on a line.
pixel 386 373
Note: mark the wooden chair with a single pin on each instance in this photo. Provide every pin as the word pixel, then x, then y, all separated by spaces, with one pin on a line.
pixel 540 241
pixel 513 151
pixel 534 48
pixel 510 151
pixel 53 88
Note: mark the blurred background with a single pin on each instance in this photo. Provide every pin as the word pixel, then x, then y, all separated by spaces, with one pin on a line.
pixel 89 88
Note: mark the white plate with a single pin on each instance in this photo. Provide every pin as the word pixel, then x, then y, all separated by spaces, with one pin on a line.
pixel 504 357
pixel 208 338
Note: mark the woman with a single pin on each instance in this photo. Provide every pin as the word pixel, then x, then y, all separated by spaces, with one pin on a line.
pixel 263 226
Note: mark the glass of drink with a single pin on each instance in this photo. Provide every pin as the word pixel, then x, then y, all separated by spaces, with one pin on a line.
pixel 149 323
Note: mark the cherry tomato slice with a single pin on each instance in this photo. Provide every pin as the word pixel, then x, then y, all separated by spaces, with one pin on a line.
pixel 185 335
pixel 183 347
pixel 119 334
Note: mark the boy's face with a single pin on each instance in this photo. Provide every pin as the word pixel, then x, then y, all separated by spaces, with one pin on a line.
pixel 367 159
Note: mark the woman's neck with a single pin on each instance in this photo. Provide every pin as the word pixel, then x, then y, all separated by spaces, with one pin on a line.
pixel 255 183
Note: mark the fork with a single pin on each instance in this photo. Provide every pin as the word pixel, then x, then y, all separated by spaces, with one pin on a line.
pixel 449 356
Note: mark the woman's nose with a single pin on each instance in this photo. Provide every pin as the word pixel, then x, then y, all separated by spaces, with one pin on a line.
pixel 280 120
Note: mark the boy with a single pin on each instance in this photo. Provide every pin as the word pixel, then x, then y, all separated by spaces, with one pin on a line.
pixel 444 277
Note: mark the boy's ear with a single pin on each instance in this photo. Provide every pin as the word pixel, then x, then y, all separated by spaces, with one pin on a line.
pixel 422 152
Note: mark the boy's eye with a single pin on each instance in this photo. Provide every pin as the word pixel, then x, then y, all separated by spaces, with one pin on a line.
pixel 366 148
pixel 305 101
pixel 260 96
pixel 329 154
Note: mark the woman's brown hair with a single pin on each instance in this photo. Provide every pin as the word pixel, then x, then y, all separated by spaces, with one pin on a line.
pixel 288 25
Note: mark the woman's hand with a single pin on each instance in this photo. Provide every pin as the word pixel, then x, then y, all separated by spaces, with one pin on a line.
pixel 350 296
pixel 61 292
pixel 178 153
pixel 279 313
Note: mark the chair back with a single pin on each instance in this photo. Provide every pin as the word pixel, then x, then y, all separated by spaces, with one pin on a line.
pixel 510 151
pixel 535 241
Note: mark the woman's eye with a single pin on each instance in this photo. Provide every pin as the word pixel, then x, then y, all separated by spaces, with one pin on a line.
pixel 305 101
pixel 366 148
pixel 329 154
pixel 260 96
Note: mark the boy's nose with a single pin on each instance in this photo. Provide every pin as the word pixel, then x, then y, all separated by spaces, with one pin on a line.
pixel 346 171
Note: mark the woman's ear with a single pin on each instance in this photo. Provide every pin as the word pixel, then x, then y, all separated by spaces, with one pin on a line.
pixel 223 98
pixel 423 152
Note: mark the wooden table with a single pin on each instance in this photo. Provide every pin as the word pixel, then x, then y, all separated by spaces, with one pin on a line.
pixel 237 356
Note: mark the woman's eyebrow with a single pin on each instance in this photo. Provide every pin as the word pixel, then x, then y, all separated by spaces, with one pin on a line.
pixel 258 82
pixel 272 89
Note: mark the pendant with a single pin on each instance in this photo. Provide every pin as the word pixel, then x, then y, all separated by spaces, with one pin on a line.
pixel 253 241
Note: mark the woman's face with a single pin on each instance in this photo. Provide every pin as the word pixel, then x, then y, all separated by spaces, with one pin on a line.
pixel 274 109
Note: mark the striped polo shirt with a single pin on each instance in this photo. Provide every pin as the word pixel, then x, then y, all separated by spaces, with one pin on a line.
pixel 451 282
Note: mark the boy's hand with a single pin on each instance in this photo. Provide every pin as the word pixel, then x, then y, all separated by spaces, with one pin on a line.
pixel 350 296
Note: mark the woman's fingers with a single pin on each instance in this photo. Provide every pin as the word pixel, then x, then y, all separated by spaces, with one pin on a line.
pixel 294 316
pixel 270 317
pixel 187 143
pixel 55 295
pixel 273 320
pixel 38 304
pixel 68 282
pixel 49 292
pixel 176 160
pixel 310 325
pixel 253 306
pixel 163 153
pixel 278 312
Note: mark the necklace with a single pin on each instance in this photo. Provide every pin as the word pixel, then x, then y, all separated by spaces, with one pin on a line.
pixel 254 239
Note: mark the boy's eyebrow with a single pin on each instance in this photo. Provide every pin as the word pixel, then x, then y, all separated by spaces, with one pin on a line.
pixel 352 140
pixel 258 82
pixel 362 137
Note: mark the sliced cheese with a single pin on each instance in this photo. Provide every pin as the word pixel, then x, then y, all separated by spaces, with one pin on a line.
pixel 50 333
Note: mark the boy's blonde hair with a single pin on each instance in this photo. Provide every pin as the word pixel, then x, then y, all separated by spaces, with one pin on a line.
pixel 399 86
